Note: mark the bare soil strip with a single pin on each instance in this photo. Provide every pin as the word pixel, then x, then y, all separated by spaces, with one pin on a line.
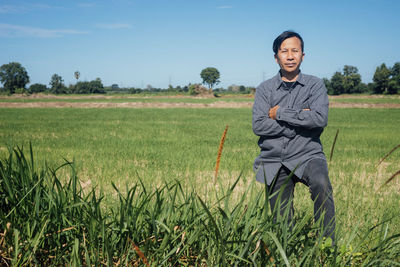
pixel 219 104
pixel 125 105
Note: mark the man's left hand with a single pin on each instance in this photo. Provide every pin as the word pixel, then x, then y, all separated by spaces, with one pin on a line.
pixel 272 112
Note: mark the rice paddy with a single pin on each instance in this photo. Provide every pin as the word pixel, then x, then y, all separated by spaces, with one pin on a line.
pixel 162 153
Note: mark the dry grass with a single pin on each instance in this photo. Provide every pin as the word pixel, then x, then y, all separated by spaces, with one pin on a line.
pixel 221 146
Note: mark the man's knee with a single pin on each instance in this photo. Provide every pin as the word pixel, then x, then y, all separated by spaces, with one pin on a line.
pixel 320 183
pixel 316 175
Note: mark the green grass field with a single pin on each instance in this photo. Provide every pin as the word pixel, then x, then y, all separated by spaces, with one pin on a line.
pixel 158 145
pixel 121 145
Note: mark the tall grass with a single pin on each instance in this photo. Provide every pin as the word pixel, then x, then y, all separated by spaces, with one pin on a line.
pixel 44 221
pixel 221 146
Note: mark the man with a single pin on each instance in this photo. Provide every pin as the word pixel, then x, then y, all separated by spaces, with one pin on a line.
pixel 290 112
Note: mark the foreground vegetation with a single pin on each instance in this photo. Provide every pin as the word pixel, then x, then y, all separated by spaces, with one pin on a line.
pixel 46 222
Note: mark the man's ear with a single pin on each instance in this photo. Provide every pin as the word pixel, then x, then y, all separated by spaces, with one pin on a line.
pixel 276 58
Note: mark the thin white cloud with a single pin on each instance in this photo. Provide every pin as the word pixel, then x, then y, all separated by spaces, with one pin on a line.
pixel 44 6
pixel 87 4
pixel 9 30
pixel 224 7
pixel 23 8
pixel 4 9
pixel 113 26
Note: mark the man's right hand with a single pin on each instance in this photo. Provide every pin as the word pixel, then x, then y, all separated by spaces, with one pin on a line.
pixel 272 112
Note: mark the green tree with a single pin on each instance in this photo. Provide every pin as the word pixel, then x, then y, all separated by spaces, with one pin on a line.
pixel 336 83
pixel 57 84
pixel 351 80
pixel 349 70
pixel 327 83
pixel 381 79
pixel 82 87
pixel 96 86
pixel 395 70
pixel 363 88
pixel 210 77
pixel 13 76
pixel 393 87
pixel 394 82
pixel 92 87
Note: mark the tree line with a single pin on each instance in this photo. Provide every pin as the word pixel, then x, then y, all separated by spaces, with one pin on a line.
pixel 14 77
pixel 385 81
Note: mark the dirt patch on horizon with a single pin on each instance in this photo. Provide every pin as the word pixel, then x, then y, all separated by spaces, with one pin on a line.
pixel 50 96
pixel 364 105
pixel 364 96
pixel 218 104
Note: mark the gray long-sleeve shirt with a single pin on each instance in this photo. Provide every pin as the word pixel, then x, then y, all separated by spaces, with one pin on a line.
pixel 293 138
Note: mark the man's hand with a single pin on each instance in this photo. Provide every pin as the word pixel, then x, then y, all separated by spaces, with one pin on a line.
pixel 272 112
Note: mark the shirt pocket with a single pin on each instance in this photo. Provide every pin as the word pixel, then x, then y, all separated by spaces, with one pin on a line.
pixel 305 104
pixel 302 101
pixel 302 104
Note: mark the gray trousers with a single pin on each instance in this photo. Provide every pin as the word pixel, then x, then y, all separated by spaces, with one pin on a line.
pixel 316 178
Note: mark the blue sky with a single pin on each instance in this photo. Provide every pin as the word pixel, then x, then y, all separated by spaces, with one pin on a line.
pixel 136 43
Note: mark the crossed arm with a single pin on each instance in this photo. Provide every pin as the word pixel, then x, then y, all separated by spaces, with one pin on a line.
pixel 281 121
pixel 263 125
pixel 314 116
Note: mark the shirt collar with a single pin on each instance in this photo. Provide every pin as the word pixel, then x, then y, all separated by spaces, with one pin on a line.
pixel 278 80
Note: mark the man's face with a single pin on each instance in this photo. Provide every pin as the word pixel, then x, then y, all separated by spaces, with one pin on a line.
pixel 290 55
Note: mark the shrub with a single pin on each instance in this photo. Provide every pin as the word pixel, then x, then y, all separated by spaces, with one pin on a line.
pixel 37 88
pixel 92 87
pixel 197 89
pixel 20 91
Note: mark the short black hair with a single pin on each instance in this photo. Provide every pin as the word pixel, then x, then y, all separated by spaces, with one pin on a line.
pixel 282 37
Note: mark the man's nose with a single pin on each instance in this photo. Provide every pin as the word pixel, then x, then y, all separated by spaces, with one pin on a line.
pixel 290 55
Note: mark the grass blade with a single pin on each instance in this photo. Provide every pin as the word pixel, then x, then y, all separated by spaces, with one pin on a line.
pixel 280 248
pixel 214 223
pixel 388 154
pixel 333 145
pixel 390 179
pixel 23 198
